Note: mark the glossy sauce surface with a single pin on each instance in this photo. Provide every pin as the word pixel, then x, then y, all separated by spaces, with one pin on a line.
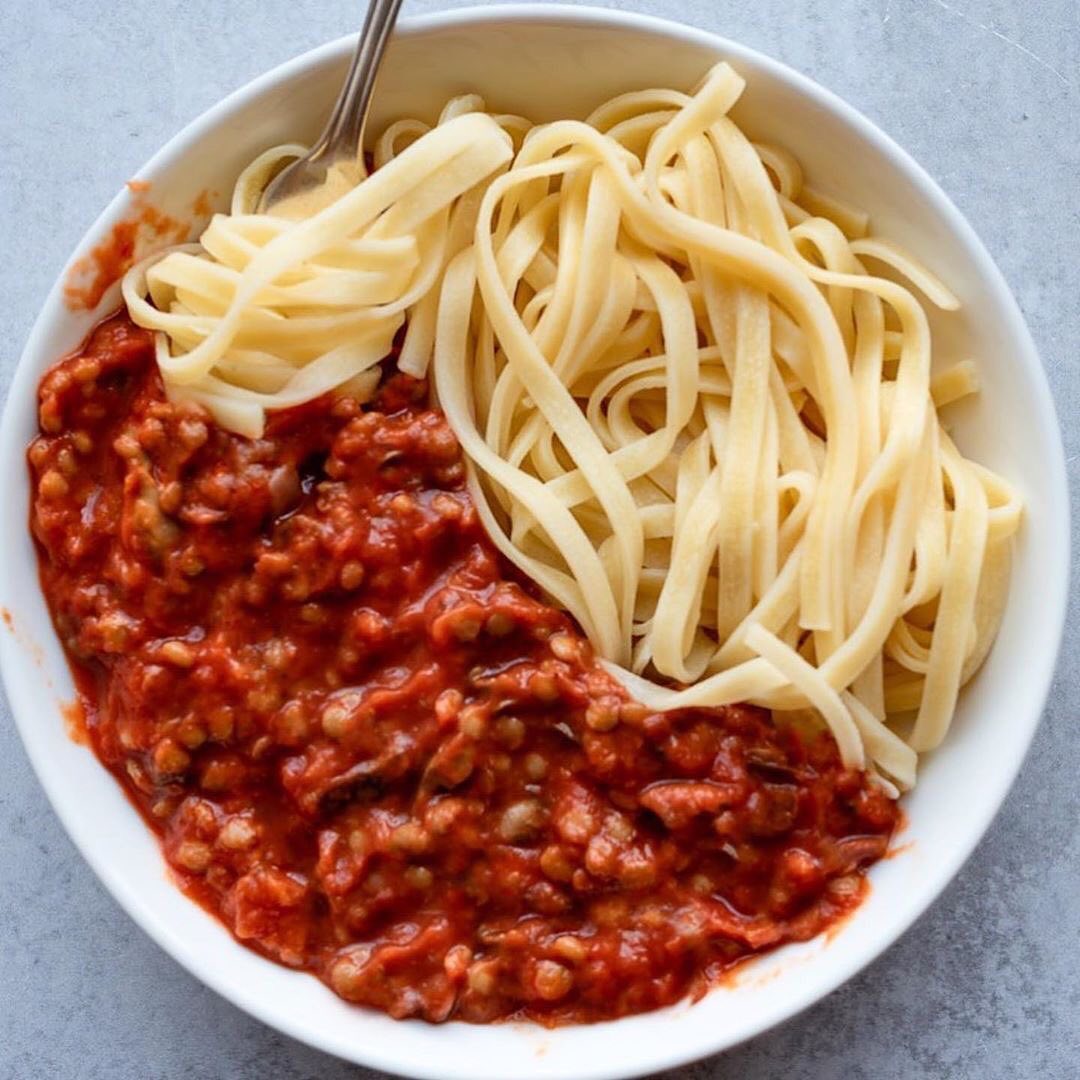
pixel 373 751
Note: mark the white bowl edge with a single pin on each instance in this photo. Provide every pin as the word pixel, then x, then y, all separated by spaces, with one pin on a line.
pixel 638 1045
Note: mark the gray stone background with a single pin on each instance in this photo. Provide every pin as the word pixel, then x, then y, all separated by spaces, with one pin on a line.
pixel 986 94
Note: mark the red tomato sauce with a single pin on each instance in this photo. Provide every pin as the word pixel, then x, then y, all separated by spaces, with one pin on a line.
pixel 127 242
pixel 373 751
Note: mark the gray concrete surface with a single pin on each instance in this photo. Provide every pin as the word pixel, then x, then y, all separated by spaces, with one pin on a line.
pixel 986 94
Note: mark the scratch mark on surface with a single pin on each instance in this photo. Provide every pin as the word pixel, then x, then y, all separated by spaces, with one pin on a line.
pixel 989 28
pixel 1027 52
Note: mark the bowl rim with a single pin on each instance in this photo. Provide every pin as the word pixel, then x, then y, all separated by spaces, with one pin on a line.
pixel 662 1055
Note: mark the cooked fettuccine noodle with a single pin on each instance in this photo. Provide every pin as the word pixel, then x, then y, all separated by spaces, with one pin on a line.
pixel 695 411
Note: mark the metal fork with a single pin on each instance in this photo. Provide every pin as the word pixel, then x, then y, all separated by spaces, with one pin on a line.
pixel 342 138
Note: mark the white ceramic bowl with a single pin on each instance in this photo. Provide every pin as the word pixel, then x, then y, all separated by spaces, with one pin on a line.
pixel 549 61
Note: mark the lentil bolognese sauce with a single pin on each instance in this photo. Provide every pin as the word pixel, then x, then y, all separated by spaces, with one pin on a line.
pixel 368 745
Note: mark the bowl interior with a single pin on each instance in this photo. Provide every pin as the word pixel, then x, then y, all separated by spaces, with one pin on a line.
pixel 547 63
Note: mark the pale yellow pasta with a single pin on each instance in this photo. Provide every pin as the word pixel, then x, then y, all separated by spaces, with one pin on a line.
pixel 315 298
pixel 693 412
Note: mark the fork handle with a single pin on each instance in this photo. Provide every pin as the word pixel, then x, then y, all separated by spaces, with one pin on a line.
pixel 344 131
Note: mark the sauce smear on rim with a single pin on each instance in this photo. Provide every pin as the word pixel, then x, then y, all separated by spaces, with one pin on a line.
pixel 373 751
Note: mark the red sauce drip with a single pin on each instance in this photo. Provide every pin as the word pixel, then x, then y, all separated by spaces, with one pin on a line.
pixel 147 229
pixel 74 715
pixel 372 750
pixel 203 205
